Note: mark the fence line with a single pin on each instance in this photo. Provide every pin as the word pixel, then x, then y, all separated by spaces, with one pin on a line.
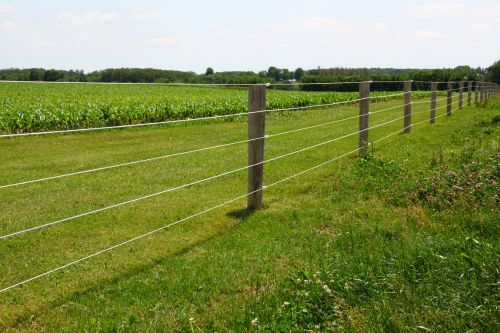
pixel 76 173
pixel 204 180
pixel 191 216
pixel 205 148
pixel 185 152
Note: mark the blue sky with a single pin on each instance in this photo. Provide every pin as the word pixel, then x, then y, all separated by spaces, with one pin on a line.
pixel 248 35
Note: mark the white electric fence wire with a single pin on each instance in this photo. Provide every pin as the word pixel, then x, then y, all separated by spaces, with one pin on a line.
pixel 191 119
pixel 189 184
pixel 185 152
pixel 191 216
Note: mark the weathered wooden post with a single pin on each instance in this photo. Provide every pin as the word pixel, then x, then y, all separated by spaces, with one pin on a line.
pixel 256 132
pixel 469 93
pixel 407 106
pixel 434 86
pixel 450 99
pixel 461 95
pixel 481 93
pixel 364 111
pixel 476 93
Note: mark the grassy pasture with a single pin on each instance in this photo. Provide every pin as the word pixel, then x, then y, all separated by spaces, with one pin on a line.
pixel 396 261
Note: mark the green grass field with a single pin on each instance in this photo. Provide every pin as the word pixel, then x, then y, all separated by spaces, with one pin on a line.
pixel 358 245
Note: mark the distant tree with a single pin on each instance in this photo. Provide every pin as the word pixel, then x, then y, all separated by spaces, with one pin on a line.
pixel 35 75
pixel 210 71
pixel 493 72
pixel 299 73
pixel 53 75
pixel 285 74
pixel 82 77
pixel 274 73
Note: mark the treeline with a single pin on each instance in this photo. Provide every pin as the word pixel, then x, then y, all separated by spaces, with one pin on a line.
pixel 40 74
pixel 386 77
pixel 272 75
pixel 131 75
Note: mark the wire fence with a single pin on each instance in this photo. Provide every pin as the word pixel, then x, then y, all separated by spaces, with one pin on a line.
pixel 256 124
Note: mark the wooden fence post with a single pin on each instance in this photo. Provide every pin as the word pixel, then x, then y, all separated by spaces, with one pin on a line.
pixel 450 99
pixel 364 111
pixel 476 93
pixel 461 95
pixel 256 132
pixel 407 106
pixel 481 93
pixel 469 93
pixel 434 86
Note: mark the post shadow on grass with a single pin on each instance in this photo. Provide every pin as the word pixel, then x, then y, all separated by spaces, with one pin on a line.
pixel 241 214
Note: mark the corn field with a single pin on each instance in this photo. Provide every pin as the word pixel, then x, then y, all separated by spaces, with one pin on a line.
pixel 28 107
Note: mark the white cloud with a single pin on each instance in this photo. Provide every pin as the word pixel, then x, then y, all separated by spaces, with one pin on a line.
pixel 6 8
pixel 427 35
pixel 89 17
pixel 143 14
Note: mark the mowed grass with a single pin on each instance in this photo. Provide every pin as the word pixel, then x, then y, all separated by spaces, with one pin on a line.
pixel 395 265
